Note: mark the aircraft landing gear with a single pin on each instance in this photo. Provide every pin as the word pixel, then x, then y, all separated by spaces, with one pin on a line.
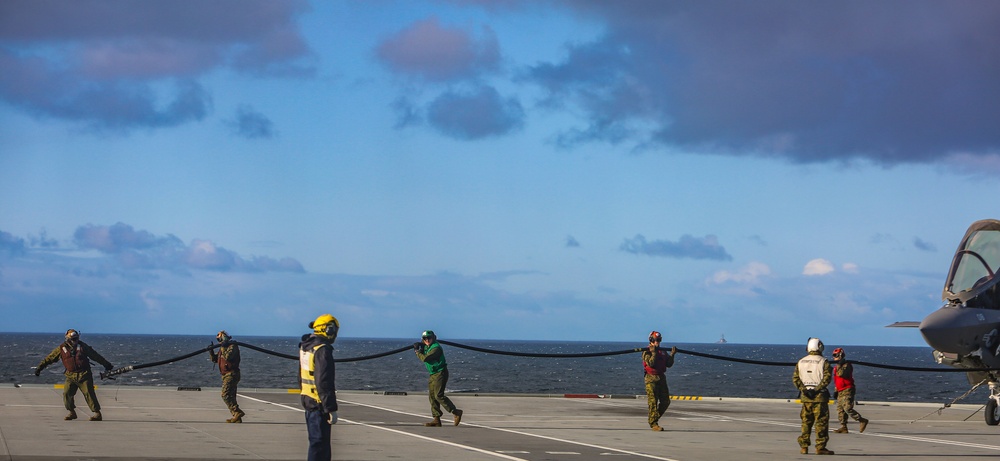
pixel 993 405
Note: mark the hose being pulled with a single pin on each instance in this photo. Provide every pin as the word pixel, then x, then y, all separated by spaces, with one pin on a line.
pixel 531 354
pixel 112 373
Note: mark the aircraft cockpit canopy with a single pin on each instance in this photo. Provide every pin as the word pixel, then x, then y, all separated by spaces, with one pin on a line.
pixel 974 276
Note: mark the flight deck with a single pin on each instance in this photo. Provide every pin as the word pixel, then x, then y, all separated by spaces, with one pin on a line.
pixel 150 423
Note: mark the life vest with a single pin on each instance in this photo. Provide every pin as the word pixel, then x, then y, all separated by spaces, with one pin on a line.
pixel 846 382
pixel 73 358
pixel 811 370
pixel 435 366
pixel 227 366
pixel 659 364
pixel 307 372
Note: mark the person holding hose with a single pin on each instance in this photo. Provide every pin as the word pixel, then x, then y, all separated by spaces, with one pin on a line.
pixel 228 360
pixel 76 356
pixel 655 362
pixel 429 351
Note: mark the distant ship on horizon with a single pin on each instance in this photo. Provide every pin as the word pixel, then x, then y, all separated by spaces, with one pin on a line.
pixel 722 340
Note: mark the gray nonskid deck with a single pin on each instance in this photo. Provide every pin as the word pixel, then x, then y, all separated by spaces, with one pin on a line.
pixel 166 424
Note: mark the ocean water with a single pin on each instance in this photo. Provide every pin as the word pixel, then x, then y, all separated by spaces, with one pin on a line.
pixel 478 372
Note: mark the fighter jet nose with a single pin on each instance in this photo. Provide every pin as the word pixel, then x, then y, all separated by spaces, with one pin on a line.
pixel 948 330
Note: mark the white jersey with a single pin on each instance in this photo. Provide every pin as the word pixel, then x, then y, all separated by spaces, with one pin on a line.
pixel 811 370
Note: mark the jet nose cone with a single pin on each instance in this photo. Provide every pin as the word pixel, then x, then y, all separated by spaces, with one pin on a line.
pixel 951 329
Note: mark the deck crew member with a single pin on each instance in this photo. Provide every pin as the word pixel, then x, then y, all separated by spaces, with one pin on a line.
pixel 228 360
pixel 843 381
pixel 812 376
pixel 76 356
pixel 655 362
pixel 429 351
pixel 317 374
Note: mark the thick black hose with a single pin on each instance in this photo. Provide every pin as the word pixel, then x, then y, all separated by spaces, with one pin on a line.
pixel 902 368
pixel 734 359
pixel 374 356
pixel 112 373
pixel 172 360
pixel 528 354
pixel 260 349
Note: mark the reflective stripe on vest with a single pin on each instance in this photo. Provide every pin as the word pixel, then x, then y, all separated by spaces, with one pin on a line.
pixel 811 370
pixel 307 372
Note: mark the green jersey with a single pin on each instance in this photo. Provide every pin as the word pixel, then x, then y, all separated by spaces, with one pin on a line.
pixel 433 358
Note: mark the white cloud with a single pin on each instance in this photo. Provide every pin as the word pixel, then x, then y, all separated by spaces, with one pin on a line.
pixel 748 274
pixel 850 268
pixel 818 266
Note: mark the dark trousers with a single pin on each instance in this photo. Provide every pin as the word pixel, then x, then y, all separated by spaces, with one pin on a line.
pixel 319 436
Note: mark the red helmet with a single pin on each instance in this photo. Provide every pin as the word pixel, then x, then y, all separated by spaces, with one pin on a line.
pixel 655 336
pixel 838 351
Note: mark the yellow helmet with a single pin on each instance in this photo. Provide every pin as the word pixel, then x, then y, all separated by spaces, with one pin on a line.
pixel 325 325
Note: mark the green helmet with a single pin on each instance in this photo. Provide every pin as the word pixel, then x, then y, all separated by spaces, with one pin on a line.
pixel 428 334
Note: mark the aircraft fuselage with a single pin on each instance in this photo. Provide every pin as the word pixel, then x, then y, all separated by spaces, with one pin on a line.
pixel 964 331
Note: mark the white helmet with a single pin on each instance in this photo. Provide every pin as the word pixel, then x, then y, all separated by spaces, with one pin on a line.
pixel 815 345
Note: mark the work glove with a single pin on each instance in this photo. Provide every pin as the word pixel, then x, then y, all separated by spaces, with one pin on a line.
pixel 38 371
pixel 331 417
pixel 809 394
pixel 417 346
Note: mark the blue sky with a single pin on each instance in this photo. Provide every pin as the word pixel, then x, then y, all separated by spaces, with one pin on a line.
pixel 583 170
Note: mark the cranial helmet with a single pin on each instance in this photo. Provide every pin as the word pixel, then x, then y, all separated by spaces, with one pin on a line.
pixel 655 336
pixel 428 334
pixel 325 325
pixel 72 334
pixel 815 345
pixel 223 336
pixel 838 351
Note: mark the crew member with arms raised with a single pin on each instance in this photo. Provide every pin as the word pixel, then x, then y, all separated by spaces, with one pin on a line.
pixel 317 373
pixel 228 360
pixel 655 362
pixel 430 352
pixel 811 377
pixel 76 356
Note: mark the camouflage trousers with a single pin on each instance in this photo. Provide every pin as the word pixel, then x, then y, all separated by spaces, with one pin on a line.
pixel 80 381
pixel 817 414
pixel 845 406
pixel 230 381
pixel 657 398
pixel 435 393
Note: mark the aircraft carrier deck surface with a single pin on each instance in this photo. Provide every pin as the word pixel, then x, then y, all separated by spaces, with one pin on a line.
pixel 147 423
